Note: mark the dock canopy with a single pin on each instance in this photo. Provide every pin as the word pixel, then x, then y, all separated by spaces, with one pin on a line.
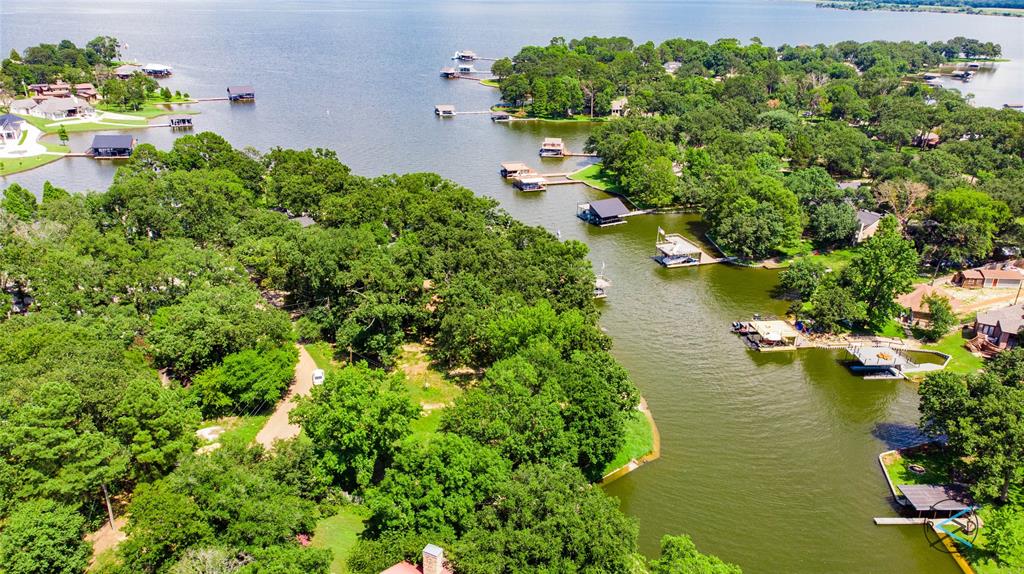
pixel 515 169
pixel 156 70
pixel 241 93
pixel 774 331
pixel 609 208
pixel 112 145
pixel 180 120
pixel 444 110
pixel 942 498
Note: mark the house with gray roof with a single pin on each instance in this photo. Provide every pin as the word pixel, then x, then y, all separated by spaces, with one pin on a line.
pixel 61 108
pixel 1001 325
pixel 10 128
pixel 868 224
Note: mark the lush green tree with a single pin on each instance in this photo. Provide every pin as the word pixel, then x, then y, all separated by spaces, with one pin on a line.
pixel 246 381
pixel 19 202
pixel 1002 535
pixel 679 555
pixel 156 426
pixel 163 523
pixel 435 487
pixel 884 268
pixel 289 559
pixel 355 421
pixel 833 304
pixel 942 317
pixel 43 536
pixel 800 279
pixel 210 324
pixel 502 68
pixel 967 221
pixel 50 448
pixel 834 223
pixel 567 524
pixel 981 418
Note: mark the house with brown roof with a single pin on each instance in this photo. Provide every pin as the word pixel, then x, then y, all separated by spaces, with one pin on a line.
pixel 914 302
pixel 1001 325
pixel 996 278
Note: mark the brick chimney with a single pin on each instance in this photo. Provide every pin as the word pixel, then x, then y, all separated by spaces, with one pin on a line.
pixel 433 559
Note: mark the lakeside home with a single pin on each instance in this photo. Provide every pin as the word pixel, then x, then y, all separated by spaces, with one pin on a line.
pixel 552 147
pixel 867 222
pixel 60 109
pixel 619 106
pixel 997 278
pixel 1001 326
pixel 10 128
pixel 603 213
pixel 241 93
pixel 112 146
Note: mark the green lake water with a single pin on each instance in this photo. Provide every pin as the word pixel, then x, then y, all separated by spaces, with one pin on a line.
pixel 768 460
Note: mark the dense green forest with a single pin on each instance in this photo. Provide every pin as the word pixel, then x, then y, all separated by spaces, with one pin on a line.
pixel 190 264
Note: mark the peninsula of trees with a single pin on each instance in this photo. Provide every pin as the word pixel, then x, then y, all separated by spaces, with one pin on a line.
pixel 189 263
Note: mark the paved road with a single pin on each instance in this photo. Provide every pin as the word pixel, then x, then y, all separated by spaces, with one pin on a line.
pixel 277 426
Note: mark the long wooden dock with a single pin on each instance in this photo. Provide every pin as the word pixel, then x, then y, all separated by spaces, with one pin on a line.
pixel 899 521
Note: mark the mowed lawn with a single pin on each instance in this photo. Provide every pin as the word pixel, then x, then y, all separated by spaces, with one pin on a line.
pixel 963 361
pixel 639 442
pixel 339 534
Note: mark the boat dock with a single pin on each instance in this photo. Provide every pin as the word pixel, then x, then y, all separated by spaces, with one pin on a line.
pixel 673 250
pixel 900 521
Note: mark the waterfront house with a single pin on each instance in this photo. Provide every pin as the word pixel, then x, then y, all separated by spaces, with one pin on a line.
pixel 997 278
pixel 180 121
pixel 1000 325
pixel 449 73
pixel 867 224
pixel 672 67
pixel 929 140
pixel 61 108
pixel 603 212
pixel 514 169
pixel 10 128
pixel 433 563
pixel 552 147
pixel 112 146
pixel 619 106
pixel 156 70
pixel 915 307
pixel 23 106
pixel 674 250
pixel 444 110
pixel 530 183
pixel 241 93
pixel 124 72
pixel 86 91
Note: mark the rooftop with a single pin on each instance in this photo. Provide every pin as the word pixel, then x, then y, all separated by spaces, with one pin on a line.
pixel 677 245
pixel 1010 319
pixel 51 105
pixel 514 166
pixel 7 119
pixel 112 141
pixel 553 141
pixel 867 218
pixel 941 497
pixel 241 90
pixel 774 330
pixel 611 207
pixel 445 107
pixel 915 299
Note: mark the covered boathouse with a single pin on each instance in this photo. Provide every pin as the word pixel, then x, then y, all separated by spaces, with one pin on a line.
pixel 449 73
pixel 603 212
pixel 530 183
pixel 513 169
pixel 935 500
pixel 552 147
pixel 674 250
pixel 444 110
pixel 182 121
pixel 112 146
pixel 241 93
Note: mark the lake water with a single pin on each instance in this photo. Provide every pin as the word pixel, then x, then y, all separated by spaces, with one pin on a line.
pixel 768 460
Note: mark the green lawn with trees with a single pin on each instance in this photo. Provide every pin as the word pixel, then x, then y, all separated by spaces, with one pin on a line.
pixel 167 269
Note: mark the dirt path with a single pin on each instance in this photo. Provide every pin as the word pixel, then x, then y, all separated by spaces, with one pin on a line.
pixel 277 426
pixel 106 537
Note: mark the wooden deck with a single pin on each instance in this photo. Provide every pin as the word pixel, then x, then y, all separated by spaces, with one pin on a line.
pixel 899 521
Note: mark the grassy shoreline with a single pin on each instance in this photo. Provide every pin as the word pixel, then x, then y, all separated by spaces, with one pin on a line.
pixel 10 166
pixel 933 9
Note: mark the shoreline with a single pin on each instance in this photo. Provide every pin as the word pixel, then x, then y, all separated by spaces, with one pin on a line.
pixel 881 6
pixel 636 463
